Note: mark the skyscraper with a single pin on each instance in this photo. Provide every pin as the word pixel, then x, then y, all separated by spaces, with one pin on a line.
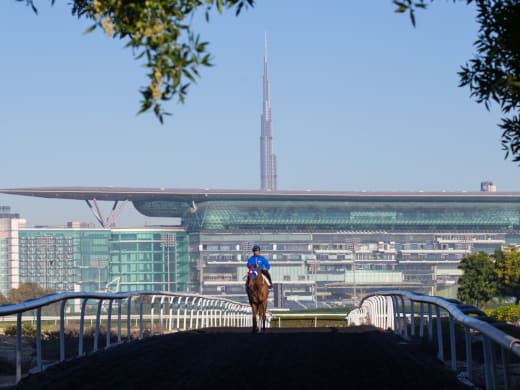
pixel 267 157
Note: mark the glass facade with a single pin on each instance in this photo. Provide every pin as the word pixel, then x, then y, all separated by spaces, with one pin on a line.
pixel 150 260
pixel 411 216
pixel 431 214
pixel 48 258
pixel 105 259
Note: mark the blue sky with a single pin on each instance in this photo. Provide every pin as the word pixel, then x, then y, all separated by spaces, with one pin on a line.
pixel 361 100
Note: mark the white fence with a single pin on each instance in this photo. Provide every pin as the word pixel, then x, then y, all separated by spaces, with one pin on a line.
pixel 166 312
pixel 397 310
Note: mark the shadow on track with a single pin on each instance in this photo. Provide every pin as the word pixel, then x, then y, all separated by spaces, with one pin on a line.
pixel 327 358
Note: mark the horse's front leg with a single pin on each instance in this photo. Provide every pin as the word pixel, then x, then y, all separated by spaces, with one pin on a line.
pixel 254 309
pixel 263 310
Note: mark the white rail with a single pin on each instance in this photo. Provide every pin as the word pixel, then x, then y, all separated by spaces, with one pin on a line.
pixel 395 310
pixel 167 312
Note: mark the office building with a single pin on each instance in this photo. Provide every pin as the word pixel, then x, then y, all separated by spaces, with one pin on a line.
pixel 488 186
pixel 96 259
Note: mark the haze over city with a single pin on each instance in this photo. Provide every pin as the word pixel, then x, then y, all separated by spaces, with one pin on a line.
pixel 360 100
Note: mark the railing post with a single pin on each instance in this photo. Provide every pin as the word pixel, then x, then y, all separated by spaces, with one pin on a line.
pixel 232 315
pixel 178 326
pixel 211 313
pixel 39 363
pixel 152 312
pixel 453 349
pixel 376 312
pixel 369 304
pixel 184 327
pixel 412 318
pixel 430 322
pixel 389 312
pixel 170 313
pixel 488 364
pixel 62 330
pixel 161 309
pixel 469 357
pixel 191 312
pixel 226 314
pixel 505 363
pixel 128 318
pixel 440 352
pixel 421 320
pixel 198 313
pixel 207 313
pixel 119 312
pixel 109 319
pixel 384 309
pixel 18 347
pixel 405 320
pixel 141 325
pixel 98 321
pixel 397 324
pixel 203 313
pixel 81 326
pixel 222 312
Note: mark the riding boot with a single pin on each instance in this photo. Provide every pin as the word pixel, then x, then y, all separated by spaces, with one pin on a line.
pixel 266 273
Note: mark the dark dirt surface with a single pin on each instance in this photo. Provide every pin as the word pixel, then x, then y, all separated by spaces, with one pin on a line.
pixel 323 358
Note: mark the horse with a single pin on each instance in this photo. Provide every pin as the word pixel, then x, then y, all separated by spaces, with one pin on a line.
pixel 257 289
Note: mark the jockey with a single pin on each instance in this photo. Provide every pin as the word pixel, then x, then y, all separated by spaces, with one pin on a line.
pixel 261 262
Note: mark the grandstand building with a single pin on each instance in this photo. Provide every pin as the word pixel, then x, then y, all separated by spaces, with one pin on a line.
pixel 324 247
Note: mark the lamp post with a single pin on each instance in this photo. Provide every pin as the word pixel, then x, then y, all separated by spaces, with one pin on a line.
pixel 201 274
pixel 314 270
pixel 99 263
pixel 351 244
pixel 168 241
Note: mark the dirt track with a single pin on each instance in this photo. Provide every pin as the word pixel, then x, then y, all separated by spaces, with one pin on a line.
pixel 343 358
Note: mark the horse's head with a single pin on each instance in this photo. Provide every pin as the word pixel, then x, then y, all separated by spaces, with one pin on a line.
pixel 253 271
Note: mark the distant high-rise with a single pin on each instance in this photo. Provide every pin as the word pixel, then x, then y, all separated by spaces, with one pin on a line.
pixel 487 186
pixel 267 157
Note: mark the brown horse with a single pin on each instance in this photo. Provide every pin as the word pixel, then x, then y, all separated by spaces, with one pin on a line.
pixel 258 291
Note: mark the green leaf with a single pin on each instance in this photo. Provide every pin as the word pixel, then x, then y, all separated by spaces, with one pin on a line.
pixel 90 29
pixel 412 18
pixel 401 9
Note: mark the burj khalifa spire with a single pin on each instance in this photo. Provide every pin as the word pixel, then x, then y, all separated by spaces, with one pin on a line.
pixel 267 157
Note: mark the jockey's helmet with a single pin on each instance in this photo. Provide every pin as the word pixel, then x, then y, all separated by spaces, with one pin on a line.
pixel 256 248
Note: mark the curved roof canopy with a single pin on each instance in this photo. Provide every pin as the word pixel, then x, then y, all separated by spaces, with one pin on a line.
pixel 203 194
pixel 241 210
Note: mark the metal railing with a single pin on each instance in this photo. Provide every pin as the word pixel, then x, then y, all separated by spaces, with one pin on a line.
pixel 396 310
pixel 167 312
